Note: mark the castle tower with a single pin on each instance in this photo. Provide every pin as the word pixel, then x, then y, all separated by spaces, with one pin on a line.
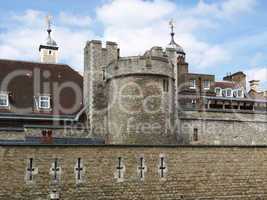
pixel 49 51
pixel 96 59
pixel 177 57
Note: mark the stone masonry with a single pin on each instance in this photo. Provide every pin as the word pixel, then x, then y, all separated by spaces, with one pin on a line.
pixel 114 172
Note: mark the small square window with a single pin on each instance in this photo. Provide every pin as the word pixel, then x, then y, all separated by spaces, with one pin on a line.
pixel 192 84
pixel 206 84
pixel 44 102
pixel 4 102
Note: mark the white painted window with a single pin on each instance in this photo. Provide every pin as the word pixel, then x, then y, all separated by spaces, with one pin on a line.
pixel 192 84
pixel 4 101
pixel 218 91
pixel 235 94
pixel 44 102
pixel 206 84
pixel 240 93
pixel 229 92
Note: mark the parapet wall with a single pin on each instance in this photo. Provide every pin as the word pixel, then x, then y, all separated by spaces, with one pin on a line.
pixel 222 127
pixel 116 172
pixel 140 65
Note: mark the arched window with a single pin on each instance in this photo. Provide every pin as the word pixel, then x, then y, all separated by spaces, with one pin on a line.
pixel 218 91
pixel 229 92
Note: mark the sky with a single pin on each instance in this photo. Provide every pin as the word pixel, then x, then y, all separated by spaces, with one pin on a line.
pixel 218 36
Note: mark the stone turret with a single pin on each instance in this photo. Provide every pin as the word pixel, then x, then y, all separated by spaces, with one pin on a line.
pixel 141 99
pixel 130 100
pixel 49 50
pixel 96 58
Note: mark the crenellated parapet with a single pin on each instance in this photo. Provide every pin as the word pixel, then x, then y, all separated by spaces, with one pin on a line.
pixel 153 62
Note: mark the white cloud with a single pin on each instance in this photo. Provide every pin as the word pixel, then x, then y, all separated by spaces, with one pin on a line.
pixel 22 42
pixel 138 25
pixel 74 20
pixel 134 13
pixel 227 9
pixel 257 74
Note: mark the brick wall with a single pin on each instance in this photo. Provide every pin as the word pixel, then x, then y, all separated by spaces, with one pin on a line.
pixel 190 172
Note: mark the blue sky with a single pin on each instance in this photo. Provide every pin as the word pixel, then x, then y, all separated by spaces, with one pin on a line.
pixel 218 36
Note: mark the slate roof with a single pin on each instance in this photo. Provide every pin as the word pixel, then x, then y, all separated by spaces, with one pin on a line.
pixel 226 84
pixel 23 92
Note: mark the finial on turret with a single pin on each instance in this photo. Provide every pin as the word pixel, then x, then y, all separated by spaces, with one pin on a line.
pixel 48 20
pixel 50 41
pixel 171 23
pixel 49 50
pixel 173 44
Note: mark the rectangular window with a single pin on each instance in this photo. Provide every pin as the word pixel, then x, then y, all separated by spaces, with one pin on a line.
pixel 4 100
pixel 218 91
pixel 195 135
pixel 206 84
pixel 44 102
pixel 104 75
pixel 192 84
pixel 165 85
pixel 240 93
pixel 229 92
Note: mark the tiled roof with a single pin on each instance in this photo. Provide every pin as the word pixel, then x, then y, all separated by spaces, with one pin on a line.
pixel 226 84
pixel 23 92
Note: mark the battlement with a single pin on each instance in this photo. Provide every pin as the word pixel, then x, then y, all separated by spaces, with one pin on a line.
pixel 153 62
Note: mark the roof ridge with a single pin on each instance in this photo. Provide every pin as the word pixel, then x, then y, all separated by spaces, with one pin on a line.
pixel 26 61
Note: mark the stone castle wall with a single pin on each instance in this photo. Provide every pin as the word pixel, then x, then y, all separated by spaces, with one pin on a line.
pixel 188 172
pixel 96 59
pixel 140 65
pixel 69 132
pixel 140 111
pixel 223 127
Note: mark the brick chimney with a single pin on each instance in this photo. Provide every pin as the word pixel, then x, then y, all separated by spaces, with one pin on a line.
pixel 254 85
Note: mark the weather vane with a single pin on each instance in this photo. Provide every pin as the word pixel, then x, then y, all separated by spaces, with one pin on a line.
pixel 172 24
pixel 48 20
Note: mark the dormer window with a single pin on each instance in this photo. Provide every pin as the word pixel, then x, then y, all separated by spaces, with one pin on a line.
pixel 4 102
pixel 192 84
pixel 44 102
pixel 206 85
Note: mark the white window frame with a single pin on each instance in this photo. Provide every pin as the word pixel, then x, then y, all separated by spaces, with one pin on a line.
pixel 193 86
pixel 40 100
pixel 242 93
pixel 5 95
pixel 218 88
pixel 206 81
pixel 226 94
